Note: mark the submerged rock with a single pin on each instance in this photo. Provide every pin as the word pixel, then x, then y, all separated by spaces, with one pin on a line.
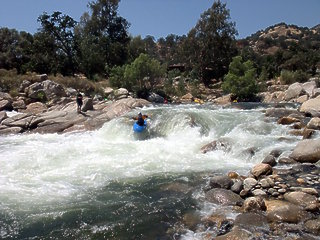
pixel 223 197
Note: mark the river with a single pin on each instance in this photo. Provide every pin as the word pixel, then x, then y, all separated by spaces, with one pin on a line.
pixel 114 184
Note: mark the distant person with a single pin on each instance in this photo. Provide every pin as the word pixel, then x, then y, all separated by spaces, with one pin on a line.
pixel 79 102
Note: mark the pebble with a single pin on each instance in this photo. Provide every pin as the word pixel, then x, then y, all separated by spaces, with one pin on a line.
pixel 282 190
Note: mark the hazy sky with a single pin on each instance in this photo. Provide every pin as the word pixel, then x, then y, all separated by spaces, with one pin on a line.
pixel 159 18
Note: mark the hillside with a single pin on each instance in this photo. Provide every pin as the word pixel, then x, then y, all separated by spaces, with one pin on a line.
pixel 281 37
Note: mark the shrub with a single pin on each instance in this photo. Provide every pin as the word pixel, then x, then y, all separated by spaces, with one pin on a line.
pixel 289 77
pixel 241 79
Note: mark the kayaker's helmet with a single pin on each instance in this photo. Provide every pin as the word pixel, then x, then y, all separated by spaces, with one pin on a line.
pixel 140 114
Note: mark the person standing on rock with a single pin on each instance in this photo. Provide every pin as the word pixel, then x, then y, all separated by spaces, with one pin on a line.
pixel 79 102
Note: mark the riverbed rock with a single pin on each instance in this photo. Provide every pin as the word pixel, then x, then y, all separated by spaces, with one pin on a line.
pixel 279 112
pixel 269 159
pixel 253 204
pixel 313 226
pixel 251 220
pixel 223 197
pixel 236 234
pixel 307 151
pixel 282 211
pixel 45 90
pixel 301 199
pixel 309 88
pixel 261 169
pixel 249 183
pixel 221 182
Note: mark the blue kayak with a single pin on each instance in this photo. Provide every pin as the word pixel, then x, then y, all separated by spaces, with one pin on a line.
pixel 138 128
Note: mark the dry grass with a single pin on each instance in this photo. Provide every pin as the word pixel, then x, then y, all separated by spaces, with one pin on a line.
pixel 10 82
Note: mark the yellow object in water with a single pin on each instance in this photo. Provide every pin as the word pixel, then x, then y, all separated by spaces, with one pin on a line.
pixel 197 100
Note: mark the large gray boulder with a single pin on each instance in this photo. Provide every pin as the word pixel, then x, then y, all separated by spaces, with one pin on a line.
pixel 309 87
pixel 120 93
pixel 294 91
pixel 156 98
pixel 307 151
pixel 45 90
pixel 312 105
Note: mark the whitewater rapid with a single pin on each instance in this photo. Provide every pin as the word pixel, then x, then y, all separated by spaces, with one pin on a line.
pixel 41 173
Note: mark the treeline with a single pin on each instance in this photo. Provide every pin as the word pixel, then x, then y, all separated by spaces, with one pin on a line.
pixel 100 41
pixel 100 46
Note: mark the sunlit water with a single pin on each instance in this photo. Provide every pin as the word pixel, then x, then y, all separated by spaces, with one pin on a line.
pixel 114 184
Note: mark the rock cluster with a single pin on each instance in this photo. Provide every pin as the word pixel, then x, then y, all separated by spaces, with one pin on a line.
pixel 47 107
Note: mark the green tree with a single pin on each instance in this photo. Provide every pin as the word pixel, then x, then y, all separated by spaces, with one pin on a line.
pixel 60 28
pixel 144 72
pixel 102 37
pixel 241 79
pixel 15 49
pixel 211 43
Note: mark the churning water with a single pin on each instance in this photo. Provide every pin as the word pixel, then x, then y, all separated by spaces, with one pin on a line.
pixel 113 184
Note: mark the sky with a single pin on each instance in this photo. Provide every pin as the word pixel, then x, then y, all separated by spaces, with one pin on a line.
pixel 160 18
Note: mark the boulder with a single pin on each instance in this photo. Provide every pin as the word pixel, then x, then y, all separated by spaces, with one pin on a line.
pixel 87 104
pixel 5 105
pixel 309 88
pixel 287 120
pixel 20 120
pixel 270 159
pixel 45 90
pixel 156 98
pixel 224 100
pixel 249 220
pixel 302 99
pixel 235 234
pixel 279 112
pixel 313 226
pixel 108 90
pixel 294 91
pixel 237 186
pixel 301 199
pixel 223 197
pixel 252 204
pixel 214 145
pixel 249 183
pixel 10 130
pixel 120 93
pixel 18 105
pixel 221 182
pixel 261 169
pixel 282 211
pixel 311 105
pixel 24 85
pixel 36 108
pixel 188 98
pixel 307 151
pixel 314 123
pixel 3 116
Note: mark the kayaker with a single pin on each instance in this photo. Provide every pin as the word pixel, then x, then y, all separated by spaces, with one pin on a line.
pixel 140 119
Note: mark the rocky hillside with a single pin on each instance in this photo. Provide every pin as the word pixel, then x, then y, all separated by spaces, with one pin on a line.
pixel 282 36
